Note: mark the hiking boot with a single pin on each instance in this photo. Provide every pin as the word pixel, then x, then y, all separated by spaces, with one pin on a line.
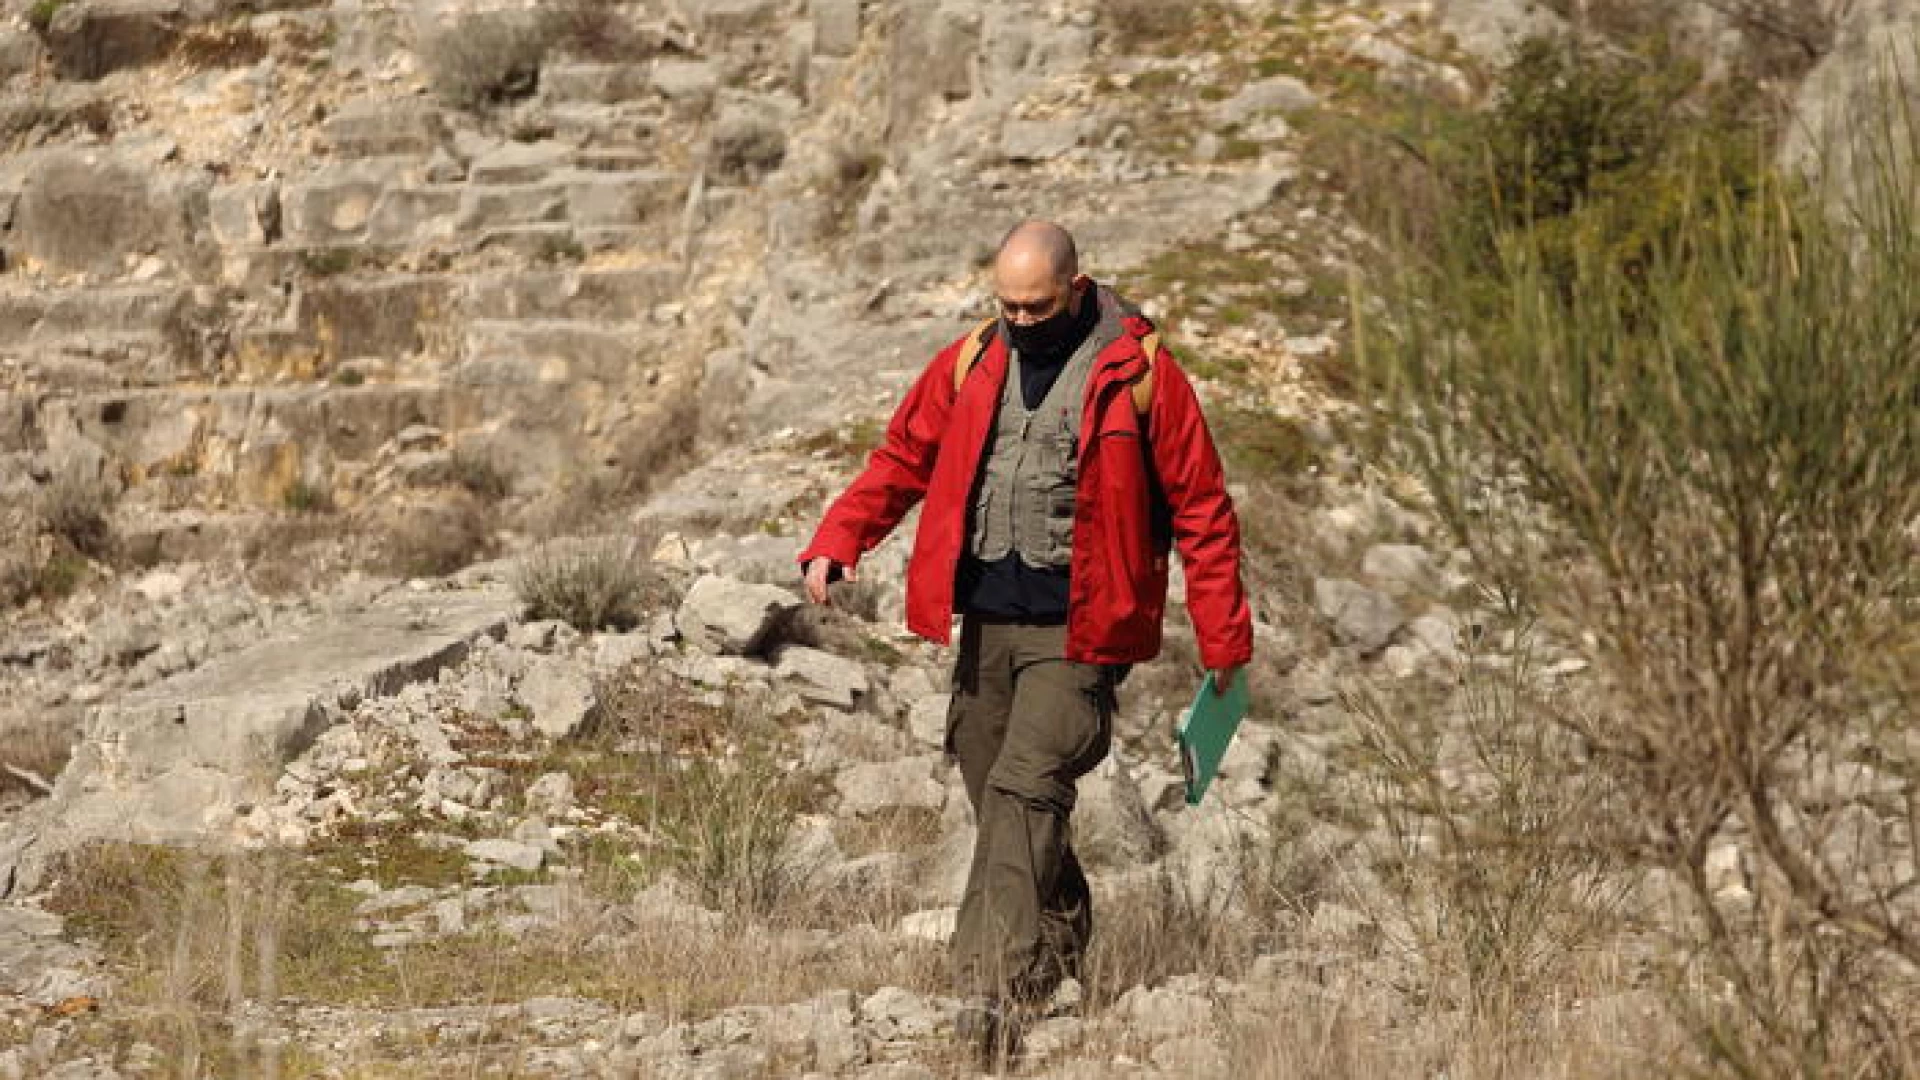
pixel 991 1029
pixel 974 1021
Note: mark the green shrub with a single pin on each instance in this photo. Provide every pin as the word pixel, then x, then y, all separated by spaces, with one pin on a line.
pixel 303 497
pixel 40 15
pixel 1698 455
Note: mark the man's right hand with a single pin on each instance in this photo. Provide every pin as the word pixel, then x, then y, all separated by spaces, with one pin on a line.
pixel 819 574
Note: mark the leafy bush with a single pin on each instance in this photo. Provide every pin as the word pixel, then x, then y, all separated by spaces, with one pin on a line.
pixel 40 14
pixel 1700 457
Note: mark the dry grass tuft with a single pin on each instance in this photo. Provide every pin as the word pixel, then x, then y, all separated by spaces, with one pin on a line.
pixel 33 753
pixel 590 585
pixel 76 508
pixel 431 539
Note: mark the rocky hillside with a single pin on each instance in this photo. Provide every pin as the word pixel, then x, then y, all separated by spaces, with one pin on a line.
pixel 326 331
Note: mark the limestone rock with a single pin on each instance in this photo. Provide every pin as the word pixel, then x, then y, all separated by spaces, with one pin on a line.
pixel 1361 617
pixel 245 215
pixel 551 794
pixel 91 210
pixel 20 53
pixel 514 854
pixel 1192 1055
pixel 559 695
pixel 894 1013
pixel 1400 569
pixel 730 617
pixel 927 720
pixel 836 26
pixel 820 677
pixel 1112 823
pixel 1488 29
pixel 931 58
pixel 377 127
pixel 518 163
pixel 874 786
pixel 935 925
pixel 1437 631
pixel 1280 93
pixel 602 84
pixel 1035 141
pixel 1848 85
pixel 726 17
pixel 38 965
pixel 689 82
pixel 1159 1013
pixel 172 761
pixel 93 38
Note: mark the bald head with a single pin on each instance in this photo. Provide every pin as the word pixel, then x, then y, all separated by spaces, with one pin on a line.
pixel 1041 245
pixel 1034 270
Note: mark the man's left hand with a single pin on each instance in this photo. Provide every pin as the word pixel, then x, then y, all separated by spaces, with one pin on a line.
pixel 1223 678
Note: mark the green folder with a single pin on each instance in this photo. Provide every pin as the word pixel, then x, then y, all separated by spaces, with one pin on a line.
pixel 1206 730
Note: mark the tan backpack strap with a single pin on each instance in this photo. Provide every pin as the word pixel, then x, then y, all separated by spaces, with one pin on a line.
pixel 970 351
pixel 1143 386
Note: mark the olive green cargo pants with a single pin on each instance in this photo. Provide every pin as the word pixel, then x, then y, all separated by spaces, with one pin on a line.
pixel 1025 724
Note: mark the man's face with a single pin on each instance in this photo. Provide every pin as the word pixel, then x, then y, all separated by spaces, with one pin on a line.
pixel 1029 291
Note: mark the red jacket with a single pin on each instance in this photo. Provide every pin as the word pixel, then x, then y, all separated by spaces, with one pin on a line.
pixel 1118 592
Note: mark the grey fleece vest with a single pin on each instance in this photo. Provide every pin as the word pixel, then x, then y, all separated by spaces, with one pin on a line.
pixel 1025 497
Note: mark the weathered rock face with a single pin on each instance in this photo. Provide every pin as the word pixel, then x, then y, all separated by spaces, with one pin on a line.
pixel 93 38
pixel 1853 82
pixel 94 210
pixel 174 761
pixel 1488 29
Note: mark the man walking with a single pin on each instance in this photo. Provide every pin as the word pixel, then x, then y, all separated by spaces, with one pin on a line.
pixel 1061 453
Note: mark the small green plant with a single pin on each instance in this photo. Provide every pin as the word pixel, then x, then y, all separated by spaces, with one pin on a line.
pixel 561 249
pixel 481 474
pixel 590 585
pixel 1263 443
pixel 304 497
pixel 328 262
pixel 349 377
pixel 40 15
pixel 1695 454
pixel 853 441
pixel 728 833
pixel 59 576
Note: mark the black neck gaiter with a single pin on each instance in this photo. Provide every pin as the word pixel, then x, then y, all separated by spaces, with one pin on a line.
pixel 1051 341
